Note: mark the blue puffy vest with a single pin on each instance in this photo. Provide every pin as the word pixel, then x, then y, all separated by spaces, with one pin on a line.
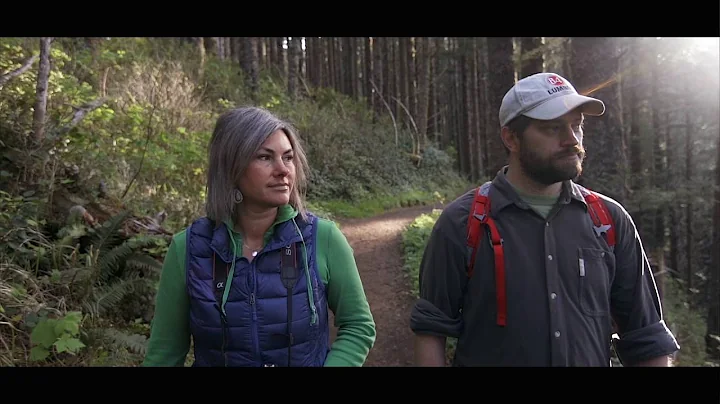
pixel 251 327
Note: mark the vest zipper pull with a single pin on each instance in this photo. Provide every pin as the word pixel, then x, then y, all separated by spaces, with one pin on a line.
pixel 252 302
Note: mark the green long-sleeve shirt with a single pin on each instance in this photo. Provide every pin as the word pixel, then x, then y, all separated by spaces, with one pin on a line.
pixel 170 335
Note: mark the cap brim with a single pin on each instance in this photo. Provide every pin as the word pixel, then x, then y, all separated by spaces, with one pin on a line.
pixel 560 106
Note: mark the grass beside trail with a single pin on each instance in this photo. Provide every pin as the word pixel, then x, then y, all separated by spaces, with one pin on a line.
pixel 414 240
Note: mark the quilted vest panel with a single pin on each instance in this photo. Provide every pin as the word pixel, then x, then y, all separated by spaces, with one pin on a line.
pixel 253 330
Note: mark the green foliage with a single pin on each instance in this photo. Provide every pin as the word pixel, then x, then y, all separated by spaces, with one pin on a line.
pixel 415 238
pixel 87 273
pixel 144 150
pixel 688 325
pixel 381 202
pixel 56 336
pixel 152 132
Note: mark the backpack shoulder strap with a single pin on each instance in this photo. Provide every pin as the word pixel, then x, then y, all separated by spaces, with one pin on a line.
pixel 478 219
pixel 289 275
pixel 600 216
pixel 220 270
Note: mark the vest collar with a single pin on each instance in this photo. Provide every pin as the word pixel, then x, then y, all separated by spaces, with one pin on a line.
pixel 281 233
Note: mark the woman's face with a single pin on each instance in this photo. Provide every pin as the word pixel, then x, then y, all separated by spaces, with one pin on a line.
pixel 270 176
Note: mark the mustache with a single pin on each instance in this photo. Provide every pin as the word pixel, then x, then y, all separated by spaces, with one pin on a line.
pixel 573 151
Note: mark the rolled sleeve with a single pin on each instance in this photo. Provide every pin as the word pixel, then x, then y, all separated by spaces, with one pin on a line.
pixel 425 318
pixel 646 343
pixel 442 278
pixel 635 302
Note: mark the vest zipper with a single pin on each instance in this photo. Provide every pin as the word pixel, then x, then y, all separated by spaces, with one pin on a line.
pixel 256 343
pixel 224 334
pixel 224 337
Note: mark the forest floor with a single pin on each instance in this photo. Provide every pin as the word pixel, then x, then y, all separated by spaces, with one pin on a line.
pixel 377 244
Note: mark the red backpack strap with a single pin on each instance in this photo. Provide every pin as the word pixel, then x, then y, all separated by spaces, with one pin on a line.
pixel 600 216
pixel 478 218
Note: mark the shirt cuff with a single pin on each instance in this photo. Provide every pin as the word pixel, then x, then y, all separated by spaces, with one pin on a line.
pixel 425 318
pixel 646 343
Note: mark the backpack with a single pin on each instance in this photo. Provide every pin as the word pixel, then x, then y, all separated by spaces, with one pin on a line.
pixel 480 216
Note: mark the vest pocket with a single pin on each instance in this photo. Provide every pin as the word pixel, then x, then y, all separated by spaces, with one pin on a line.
pixel 594 285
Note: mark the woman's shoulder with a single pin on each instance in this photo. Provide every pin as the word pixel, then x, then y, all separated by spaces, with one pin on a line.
pixel 329 232
pixel 324 224
pixel 180 237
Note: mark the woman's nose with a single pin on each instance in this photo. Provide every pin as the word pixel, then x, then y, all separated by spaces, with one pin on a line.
pixel 282 168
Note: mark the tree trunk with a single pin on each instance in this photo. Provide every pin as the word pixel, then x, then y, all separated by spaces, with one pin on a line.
pixel 712 339
pixel 501 79
pixel 294 49
pixel 367 72
pixel 659 167
pixel 532 56
pixel 594 66
pixel 41 90
pixel 251 64
pixel 378 53
pixel 201 51
pixel 423 74
pixel 689 254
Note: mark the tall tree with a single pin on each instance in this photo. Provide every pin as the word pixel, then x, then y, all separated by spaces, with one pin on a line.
pixel 251 63
pixel 594 67
pixel 501 78
pixel 423 90
pixel 712 337
pixel 531 60
pixel 41 91
pixel 294 49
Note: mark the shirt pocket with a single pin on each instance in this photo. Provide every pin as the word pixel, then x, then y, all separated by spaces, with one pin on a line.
pixel 594 282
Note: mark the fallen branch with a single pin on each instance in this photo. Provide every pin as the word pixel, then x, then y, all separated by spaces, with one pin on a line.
pixel 416 146
pixel 147 142
pixel 22 69
pixel 392 116
pixel 80 113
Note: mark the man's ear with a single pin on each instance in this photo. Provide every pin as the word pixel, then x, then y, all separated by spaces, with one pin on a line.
pixel 510 139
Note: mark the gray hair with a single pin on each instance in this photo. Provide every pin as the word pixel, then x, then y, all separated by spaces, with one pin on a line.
pixel 238 135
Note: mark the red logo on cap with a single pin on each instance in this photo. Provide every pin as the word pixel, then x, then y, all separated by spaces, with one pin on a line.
pixel 555 81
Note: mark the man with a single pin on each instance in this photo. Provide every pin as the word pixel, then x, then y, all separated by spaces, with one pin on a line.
pixel 560 283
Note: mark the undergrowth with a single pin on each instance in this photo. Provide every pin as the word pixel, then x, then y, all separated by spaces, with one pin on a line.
pixel 78 268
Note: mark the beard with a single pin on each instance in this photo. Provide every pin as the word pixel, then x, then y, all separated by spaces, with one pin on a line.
pixel 553 169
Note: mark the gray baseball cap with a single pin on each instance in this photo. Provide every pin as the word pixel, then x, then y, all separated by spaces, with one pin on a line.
pixel 545 96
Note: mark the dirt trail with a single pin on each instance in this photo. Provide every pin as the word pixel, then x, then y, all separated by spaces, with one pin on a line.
pixel 377 245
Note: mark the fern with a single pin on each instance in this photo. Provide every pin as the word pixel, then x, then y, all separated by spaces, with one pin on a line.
pixel 105 298
pixel 136 343
pixel 110 262
pixel 107 237
pixel 143 263
pixel 74 275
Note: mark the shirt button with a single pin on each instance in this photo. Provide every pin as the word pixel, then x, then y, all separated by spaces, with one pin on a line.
pixel 550 257
pixel 557 334
pixel 547 224
pixel 553 296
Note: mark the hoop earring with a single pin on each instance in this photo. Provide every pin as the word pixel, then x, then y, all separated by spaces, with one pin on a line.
pixel 237 196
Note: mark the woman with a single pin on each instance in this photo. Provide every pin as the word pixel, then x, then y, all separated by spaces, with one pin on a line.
pixel 252 282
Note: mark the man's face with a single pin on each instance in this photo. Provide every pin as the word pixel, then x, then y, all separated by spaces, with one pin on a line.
pixel 552 151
